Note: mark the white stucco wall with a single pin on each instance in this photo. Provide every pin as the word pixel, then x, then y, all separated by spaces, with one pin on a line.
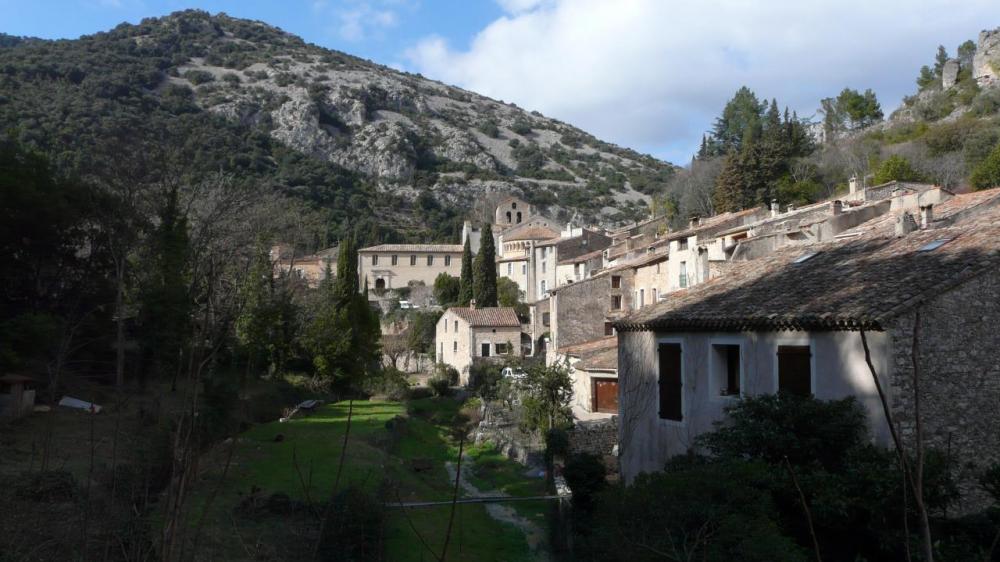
pixel 646 442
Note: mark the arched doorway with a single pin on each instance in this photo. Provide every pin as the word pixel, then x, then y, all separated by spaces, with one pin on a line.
pixel 380 284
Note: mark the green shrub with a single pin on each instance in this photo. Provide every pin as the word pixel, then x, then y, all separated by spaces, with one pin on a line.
pixel 440 386
pixel 949 137
pixel 484 379
pixel 586 477
pixel 896 168
pixel 197 77
pixel 446 372
pixel 231 78
pixel 937 106
pixel 987 102
pixel 521 127
pixel 489 128
pixel 978 145
pixel 987 173
pixel 419 393
pixel 390 383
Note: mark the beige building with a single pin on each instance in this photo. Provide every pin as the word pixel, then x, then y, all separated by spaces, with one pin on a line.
pixel 311 268
pixel 395 266
pixel 465 335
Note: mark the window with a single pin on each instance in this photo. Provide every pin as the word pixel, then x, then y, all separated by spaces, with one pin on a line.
pixel 683 277
pixel 446 326
pixel 430 260
pixel 642 298
pixel 658 267
pixel 440 350
pixel 447 261
pixel 484 349
pixel 682 245
pixel 510 268
pixel 669 381
pixel 616 302
pixel 524 269
pixel 545 319
pixel 726 369
pixel 413 260
pixel 513 205
pixel 501 348
pixel 395 260
pixel 653 300
pixel 616 281
pixel 609 329
pixel 519 216
pixel 543 267
pixel 543 287
pixel 795 369
pixel 456 326
pixel 374 260
pixel 454 346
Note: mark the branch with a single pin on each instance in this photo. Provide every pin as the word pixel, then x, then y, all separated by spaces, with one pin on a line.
pixel 805 508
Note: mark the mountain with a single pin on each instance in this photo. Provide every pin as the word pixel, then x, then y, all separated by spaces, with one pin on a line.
pixel 361 141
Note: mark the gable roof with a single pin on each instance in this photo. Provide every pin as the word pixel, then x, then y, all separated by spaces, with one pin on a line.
pixel 491 317
pixel 444 248
pixel 531 233
pixel 859 283
pixel 604 360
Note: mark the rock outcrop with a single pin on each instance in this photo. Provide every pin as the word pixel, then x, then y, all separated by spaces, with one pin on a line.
pixel 986 62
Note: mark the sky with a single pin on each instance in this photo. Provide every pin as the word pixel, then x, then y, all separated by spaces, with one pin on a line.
pixel 651 75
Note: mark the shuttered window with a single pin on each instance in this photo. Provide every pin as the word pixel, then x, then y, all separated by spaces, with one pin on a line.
pixel 794 370
pixel 670 387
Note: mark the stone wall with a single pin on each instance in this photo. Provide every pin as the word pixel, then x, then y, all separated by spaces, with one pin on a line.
pixel 581 308
pixel 597 437
pixel 959 378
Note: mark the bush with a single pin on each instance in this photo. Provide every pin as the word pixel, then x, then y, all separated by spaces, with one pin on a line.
pixel 489 128
pixel 556 442
pixel 484 380
pixel 231 78
pixel 419 393
pixel 440 386
pixel 446 372
pixel 353 530
pixel 586 477
pixel 896 168
pixel 987 173
pixel 390 383
pixel 197 77
pixel 987 102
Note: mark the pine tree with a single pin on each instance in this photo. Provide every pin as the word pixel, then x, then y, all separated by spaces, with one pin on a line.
pixel 740 117
pixel 939 60
pixel 465 291
pixel 484 271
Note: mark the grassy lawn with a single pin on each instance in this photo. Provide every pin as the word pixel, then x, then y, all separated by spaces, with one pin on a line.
pixel 266 457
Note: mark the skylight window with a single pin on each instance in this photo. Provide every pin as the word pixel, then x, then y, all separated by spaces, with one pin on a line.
pixel 930 246
pixel 805 257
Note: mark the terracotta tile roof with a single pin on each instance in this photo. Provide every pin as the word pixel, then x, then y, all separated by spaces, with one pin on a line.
pixel 605 360
pixel 532 233
pixel 582 258
pixel 861 282
pixel 444 248
pixel 577 350
pixel 499 317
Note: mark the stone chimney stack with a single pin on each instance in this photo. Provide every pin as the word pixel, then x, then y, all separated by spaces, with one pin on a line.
pixel 695 221
pixel 472 304
pixel 791 208
pixel 836 207
pixel 775 208
pixel 852 184
pixel 905 224
pixel 926 216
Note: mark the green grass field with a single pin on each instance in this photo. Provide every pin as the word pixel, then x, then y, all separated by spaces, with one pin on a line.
pixel 377 458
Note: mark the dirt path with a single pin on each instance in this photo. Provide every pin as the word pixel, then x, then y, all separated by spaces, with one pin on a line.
pixel 533 534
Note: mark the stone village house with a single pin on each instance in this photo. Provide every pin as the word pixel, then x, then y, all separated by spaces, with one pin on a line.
pixel 467 334
pixel 792 322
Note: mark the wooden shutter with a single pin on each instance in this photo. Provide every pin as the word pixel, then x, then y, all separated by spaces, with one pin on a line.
pixel 794 369
pixel 671 403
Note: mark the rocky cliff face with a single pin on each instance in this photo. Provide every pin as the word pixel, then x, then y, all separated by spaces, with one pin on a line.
pixel 404 132
pixel 986 62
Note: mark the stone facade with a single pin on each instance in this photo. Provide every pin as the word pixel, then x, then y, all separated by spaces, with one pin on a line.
pixel 959 378
pixel 582 309
pixel 394 266
pixel 459 344
pixel 598 437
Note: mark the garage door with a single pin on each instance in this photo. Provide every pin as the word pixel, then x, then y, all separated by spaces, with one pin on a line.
pixel 606 396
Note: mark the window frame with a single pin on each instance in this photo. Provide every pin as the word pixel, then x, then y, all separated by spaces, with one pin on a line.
pixel 801 340
pixel 656 382
pixel 413 260
pixel 447 261
pixel 713 384
pixel 374 260
pixel 430 260
pixel 395 259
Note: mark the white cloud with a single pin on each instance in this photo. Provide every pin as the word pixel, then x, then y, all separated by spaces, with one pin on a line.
pixel 361 20
pixel 652 74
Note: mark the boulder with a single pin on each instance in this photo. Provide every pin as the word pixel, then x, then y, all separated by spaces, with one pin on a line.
pixel 949 74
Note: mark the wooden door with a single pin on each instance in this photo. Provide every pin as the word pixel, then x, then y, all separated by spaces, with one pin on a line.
pixel 606 396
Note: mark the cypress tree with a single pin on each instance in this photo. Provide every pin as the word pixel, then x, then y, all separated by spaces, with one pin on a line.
pixel 346 284
pixel 465 292
pixel 484 271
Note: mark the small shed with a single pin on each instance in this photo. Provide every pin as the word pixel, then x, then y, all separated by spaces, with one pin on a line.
pixel 17 395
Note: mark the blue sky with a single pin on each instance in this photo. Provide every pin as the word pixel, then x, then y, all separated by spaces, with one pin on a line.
pixel 646 74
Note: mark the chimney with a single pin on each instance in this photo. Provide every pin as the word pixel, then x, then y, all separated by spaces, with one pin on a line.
pixel 926 216
pixel 472 303
pixel 775 208
pixel 853 184
pixel 790 208
pixel 695 220
pixel 836 207
pixel 905 224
